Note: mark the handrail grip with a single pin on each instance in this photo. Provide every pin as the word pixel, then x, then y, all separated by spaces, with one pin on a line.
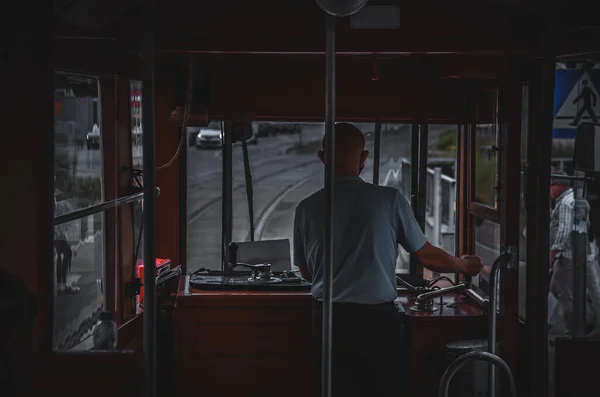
pixel 94 209
pixel 475 356
pixel 499 264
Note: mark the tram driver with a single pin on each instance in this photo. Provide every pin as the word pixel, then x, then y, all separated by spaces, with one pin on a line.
pixel 368 351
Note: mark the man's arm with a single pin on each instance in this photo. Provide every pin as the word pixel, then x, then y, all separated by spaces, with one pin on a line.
pixel 438 260
pixel 412 239
pixel 299 255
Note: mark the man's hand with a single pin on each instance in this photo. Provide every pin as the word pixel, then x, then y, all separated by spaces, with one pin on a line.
pixel 471 265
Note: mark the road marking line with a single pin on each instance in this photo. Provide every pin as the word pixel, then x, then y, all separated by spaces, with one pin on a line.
pixel 264 217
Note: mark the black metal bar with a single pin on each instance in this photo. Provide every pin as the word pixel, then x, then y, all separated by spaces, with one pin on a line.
pixel 183 172
pixel 422 172
pixel 414 170
pixel 377 154
pixel 419 181
pixel 94 209
pixel 579 240
pixel 227 202
pixel 149 157
pixel 328 254
pixel 572 178
pixel 249 191
pixel 538 211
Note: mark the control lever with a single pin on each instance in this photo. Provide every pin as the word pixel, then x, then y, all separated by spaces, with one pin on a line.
pixel 424 302
pixel 411 287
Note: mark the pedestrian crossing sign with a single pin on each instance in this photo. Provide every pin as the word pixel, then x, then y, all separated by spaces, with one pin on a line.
pixel 576 100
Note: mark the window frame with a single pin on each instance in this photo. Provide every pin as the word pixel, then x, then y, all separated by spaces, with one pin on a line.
pixel 105 253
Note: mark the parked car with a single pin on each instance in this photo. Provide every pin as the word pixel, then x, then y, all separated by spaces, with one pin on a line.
pixel 210 136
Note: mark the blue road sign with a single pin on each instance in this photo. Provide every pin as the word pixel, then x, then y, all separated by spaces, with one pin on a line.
pixel 576 100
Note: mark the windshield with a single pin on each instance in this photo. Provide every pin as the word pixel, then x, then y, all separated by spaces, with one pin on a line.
pixel 214 125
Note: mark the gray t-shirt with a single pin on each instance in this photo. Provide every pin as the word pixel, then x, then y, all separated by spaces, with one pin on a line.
pixel 369 223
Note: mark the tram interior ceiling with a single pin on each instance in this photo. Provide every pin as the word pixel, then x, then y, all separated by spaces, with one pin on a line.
pixel 451 69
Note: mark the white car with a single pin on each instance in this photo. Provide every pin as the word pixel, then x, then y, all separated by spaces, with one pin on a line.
pixel 210 136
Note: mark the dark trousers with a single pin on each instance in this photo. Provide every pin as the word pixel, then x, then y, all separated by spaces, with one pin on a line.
pixel 63 260
pixel 561 285
pixel 369 352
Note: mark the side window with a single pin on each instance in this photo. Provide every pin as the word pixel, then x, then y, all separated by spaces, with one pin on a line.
pixel 440 208
pixel 137 145
pixel 395 170
pixel 78 241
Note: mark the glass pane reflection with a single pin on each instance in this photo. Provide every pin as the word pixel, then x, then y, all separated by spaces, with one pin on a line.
pixel 79 269
pixel 486 164
pixel 487 243
pixel 395 170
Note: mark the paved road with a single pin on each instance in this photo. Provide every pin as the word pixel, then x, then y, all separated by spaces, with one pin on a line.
pixel 73 313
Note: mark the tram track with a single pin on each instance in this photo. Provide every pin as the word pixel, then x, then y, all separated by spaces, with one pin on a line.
pixel 197 213
pixel 267 212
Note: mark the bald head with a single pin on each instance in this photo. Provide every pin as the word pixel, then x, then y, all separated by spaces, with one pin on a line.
pixel 350 154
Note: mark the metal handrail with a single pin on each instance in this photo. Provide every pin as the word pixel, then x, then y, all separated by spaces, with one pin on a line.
pixel 94 209
pixel 465 359
pixel 499 264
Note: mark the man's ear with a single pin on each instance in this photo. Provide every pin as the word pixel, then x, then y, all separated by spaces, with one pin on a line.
pixel 321 155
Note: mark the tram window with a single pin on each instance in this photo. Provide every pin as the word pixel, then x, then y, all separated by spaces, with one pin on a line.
pixel 440 208
pixel 204 190
pixel 486 164
pixel 487 244
pixel 135 101
pixel 78 244
pixel 395 170
pixel 285 169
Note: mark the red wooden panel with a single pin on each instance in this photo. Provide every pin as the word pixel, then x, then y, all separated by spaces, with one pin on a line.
pixel 167 179
pixel 251 376
pixel 301 96
pixel 89 374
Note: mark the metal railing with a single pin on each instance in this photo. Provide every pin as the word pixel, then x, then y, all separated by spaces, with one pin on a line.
pixel 440 202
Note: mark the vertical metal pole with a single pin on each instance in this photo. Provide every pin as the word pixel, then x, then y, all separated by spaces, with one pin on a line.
pixel 538 207
pixel 579 240
pixel 419 183
pixel 249 190
pixel 227 188
pixel 149 156
pixel 328 254
pixel 183 156
pixel 422 189
pixel 414 170
pixel 377 154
